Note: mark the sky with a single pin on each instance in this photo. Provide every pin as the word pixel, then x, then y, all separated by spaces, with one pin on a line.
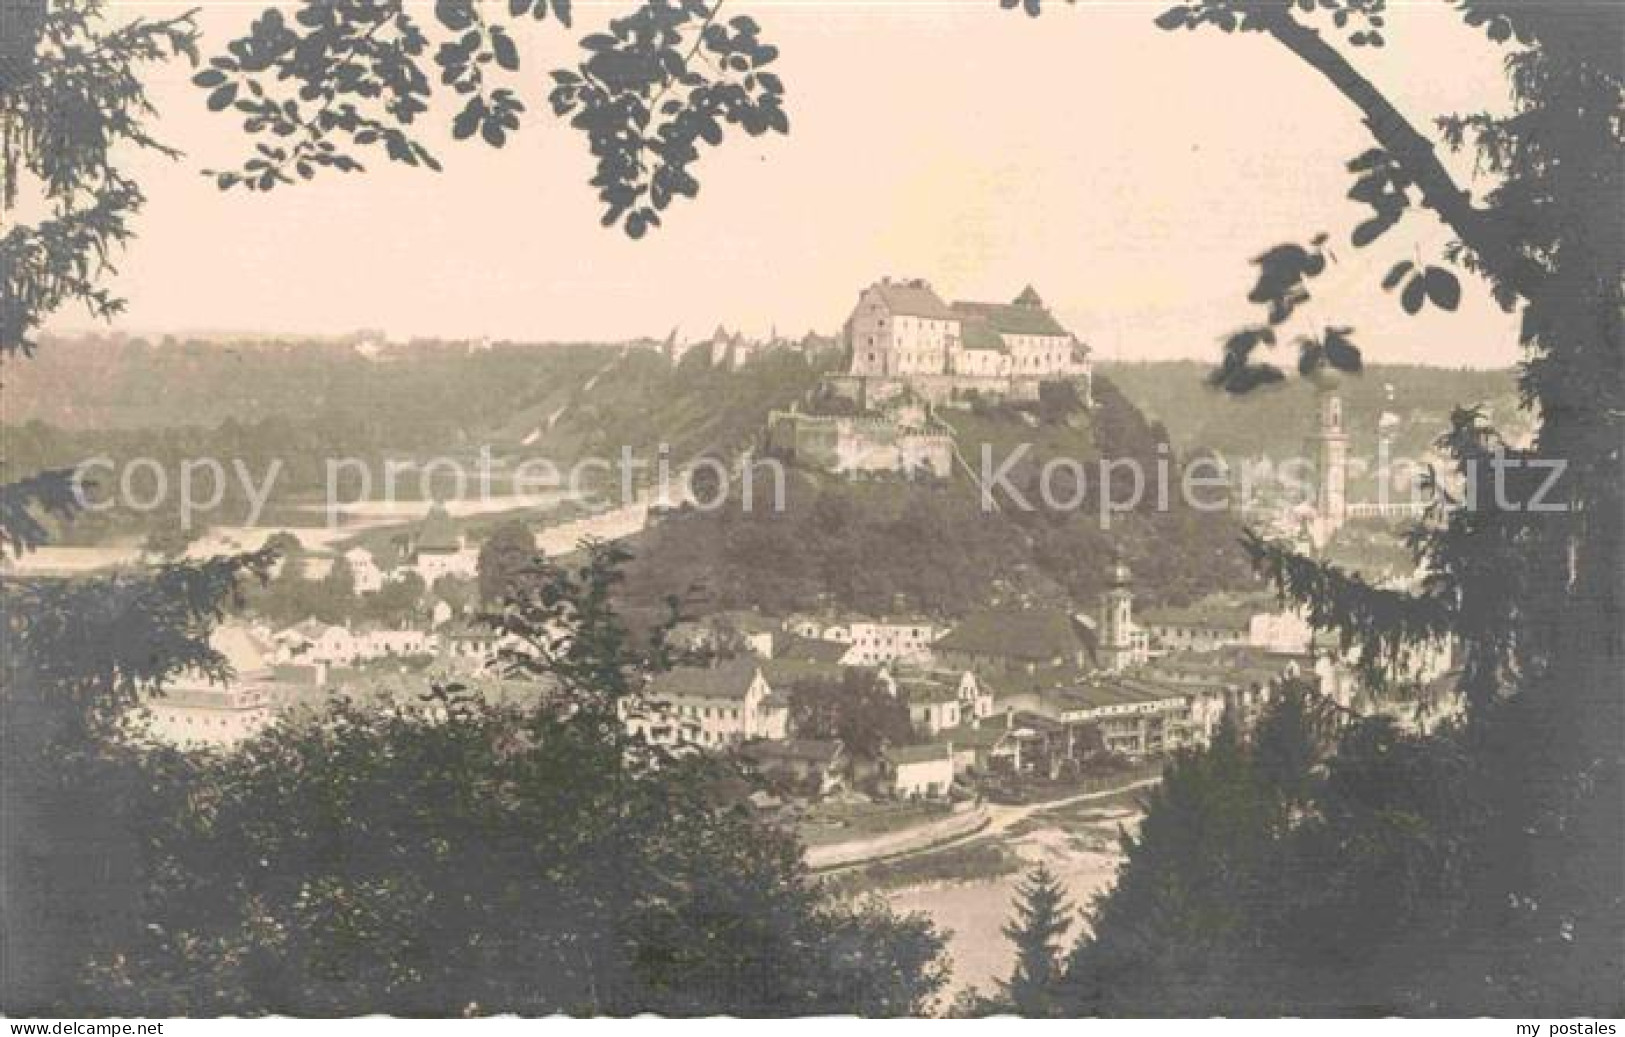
pixel 1129 174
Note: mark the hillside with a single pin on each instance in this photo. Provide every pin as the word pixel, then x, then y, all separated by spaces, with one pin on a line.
pixel 421 396
pixel 1275 421
pixel 889 544
pixel 304 404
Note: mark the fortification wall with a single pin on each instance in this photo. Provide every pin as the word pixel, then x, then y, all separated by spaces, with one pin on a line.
pixel 945 389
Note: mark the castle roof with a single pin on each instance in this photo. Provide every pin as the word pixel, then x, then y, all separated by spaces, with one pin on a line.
pixel 912 299
pixel 979 333
pixel 1011 318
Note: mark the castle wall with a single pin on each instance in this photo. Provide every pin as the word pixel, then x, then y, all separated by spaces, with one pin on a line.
pixel 866 443
pixel 946 389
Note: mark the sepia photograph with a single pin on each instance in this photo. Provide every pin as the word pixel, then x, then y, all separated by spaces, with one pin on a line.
pixel 641 510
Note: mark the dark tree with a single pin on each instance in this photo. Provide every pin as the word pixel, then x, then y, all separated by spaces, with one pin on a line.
pixel 507 559
pixel 452 857
pixel 1519 813
pixel 856 708
pixel 1042 919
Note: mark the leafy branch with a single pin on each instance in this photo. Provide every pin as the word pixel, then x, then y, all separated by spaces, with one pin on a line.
pixel 347 76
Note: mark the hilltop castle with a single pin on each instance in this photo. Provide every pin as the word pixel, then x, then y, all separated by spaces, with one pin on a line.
pixel 902 335
pixel 910 352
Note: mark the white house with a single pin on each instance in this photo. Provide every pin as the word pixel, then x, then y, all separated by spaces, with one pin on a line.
pixel 364 571
pixel 875 642
pixel 921 771
pixel 375 644
pixel 939 699
pixel 193 711
pixel 312 641
pixel 715 706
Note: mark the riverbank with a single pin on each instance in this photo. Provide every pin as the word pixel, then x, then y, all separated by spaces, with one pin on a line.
pixel 1080 842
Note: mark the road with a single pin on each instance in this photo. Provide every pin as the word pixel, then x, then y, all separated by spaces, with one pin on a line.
pixel 1001 818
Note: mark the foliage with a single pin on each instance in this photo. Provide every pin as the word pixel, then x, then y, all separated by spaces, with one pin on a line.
pixel 891 544
pixel 1042 918
pixel 46 495
pixel 1477 869
pixel 72 109
pixel 856 709
pixel 77 656
pixel 504 561
pixel 448 857
pixel 1300 871
pixel 352 76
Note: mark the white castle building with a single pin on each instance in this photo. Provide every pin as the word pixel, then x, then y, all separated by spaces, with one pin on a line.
pixel 902 331
pixel 904 328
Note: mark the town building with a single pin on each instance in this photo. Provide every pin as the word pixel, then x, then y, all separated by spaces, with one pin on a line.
pixel 817 765
pixel 1201 627
pixel 1286 632
pixel 1137 716
pixel 905 639
pixel 1004 640
pixel 365 575
pixel 1121 641
pixel 937 698
pixel 314 642
pixel 716 706
pixel 920 771
pixel 195 711
pixel 435 549
pixel 1330 448
pixel 383 642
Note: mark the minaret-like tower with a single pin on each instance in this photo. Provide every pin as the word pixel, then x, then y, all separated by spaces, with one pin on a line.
pixel 1117 618
pixel 1331 448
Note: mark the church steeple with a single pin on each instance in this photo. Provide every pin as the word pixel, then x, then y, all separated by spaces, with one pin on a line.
pixel 1117 617
pixel 1331 447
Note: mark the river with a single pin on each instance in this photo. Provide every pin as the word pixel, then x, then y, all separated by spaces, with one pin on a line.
pixel 1079 845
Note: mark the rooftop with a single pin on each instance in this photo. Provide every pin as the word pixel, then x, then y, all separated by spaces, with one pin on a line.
pixel 901 755
pixel 812 750
pixel 804 649
pixel 912 298
pixel 729 680
pixel 1210 616
pixel 1038 635
pixel 1012 318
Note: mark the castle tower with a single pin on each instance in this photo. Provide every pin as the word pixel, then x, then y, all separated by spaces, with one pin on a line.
pixel 1117 618
pixel 1331 449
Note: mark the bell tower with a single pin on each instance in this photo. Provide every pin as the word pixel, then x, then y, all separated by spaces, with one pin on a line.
pixel 1117 618
pixel 1331 449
